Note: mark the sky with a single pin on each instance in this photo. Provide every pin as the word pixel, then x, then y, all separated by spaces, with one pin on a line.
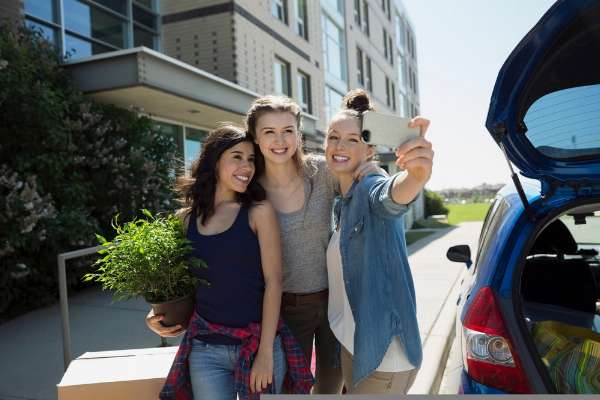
pixel 461 46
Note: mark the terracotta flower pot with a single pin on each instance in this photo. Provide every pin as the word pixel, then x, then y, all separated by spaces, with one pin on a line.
pixel 176 311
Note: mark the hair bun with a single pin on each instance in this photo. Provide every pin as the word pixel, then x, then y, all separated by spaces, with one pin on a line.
pixel 358 100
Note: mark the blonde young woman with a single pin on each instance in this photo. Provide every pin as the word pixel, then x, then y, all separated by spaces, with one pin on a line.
pixel 301 190
pixel 372 308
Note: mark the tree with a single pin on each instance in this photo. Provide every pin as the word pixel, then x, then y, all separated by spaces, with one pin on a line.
pixel 67 165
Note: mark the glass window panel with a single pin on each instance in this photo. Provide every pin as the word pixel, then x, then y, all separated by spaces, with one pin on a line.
pixel 146 3
pixel 115 5
pixel 47 32
pixel 193 144
pixel 337 5
pixel 333 102
pixel 282 77
pixel 301 22
pixel 173 131
pixel 334 49
pixel 304 92
pixel 143 38
pixel 44 9
pixel 566 123
pixel 90 21
pixel 144 17
pixel 279 10
pixel 78 48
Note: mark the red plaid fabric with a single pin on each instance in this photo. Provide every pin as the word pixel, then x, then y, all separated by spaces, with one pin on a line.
pixel 298 379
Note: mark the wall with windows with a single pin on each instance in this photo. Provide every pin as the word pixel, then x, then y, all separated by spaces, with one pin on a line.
pixel 371 51
pixel 407 71
pixel 271 46
pixel 81 28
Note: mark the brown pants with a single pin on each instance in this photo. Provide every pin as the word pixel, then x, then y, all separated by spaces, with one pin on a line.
pixel 377 382
pixel 308 322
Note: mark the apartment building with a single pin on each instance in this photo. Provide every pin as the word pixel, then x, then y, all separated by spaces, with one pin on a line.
pixel 189 64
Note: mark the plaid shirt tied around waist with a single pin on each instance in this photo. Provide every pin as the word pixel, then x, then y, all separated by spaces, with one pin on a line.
pixel 298 378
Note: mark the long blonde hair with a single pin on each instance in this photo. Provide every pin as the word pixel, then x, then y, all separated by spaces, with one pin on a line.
pixel 269 104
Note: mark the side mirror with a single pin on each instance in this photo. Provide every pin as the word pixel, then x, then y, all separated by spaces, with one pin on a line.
pixel 460 253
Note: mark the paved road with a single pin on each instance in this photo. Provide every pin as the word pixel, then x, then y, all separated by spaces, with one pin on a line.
pixel 31 345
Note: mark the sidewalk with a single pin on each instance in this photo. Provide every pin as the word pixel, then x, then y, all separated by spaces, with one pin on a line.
pixel 31 345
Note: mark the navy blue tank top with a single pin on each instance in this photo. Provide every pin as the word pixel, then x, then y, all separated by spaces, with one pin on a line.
pixel 235 295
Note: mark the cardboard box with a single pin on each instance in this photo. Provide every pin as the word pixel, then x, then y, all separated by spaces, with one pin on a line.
pixel 116 375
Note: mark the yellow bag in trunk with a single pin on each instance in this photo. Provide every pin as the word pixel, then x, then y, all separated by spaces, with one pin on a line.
pixel 571 355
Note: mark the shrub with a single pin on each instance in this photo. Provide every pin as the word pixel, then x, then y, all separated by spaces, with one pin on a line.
pixel 434 204
pixel 67 165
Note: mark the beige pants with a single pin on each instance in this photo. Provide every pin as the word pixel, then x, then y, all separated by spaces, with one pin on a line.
pixel 377 382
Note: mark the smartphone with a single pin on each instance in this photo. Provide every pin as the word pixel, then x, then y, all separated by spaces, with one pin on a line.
pixel 386 129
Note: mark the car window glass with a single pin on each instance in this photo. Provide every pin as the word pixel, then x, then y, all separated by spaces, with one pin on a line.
pixel 566 124
pixel 586 235
pixel 492 220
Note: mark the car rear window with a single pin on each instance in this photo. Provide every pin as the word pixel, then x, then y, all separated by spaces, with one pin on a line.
pixel 566 124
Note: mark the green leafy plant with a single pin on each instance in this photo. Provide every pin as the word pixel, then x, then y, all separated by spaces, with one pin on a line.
pixel 147 258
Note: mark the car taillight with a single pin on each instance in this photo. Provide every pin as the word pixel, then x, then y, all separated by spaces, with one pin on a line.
pixel 487 347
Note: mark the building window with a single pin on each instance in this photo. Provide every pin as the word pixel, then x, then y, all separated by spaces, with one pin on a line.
pixel 337 5
pixel 389 10
pixel 393 94
pixel 390 50
pixel 368 78
pixel 282 77
pixel 304 92
pixel 360 70
pixel 91 22
pixel 279 10
pixel 48 33
pixel 400 34
pixel 402 74
pixel 357 13
pixel 193 145
pixel 365 26
pixel 333 102
pixel 334 47
pixel 301 22
pixel 385 44
pixel 46 10
pixel 175 132
pixel 388 97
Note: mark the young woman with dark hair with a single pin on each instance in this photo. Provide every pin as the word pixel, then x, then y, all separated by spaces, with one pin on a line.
pixel 302 191
pixel 235 342
pixel 372 309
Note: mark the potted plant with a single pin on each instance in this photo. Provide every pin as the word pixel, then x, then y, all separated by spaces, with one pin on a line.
pixel 150 258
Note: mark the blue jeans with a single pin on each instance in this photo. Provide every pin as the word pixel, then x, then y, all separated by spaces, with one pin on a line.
pixel 212 367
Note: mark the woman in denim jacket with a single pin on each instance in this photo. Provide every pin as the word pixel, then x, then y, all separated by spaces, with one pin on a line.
pixel 372 309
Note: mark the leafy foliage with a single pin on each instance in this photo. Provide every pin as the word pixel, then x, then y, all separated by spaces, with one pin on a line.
pixel 147 258
pixel 67 165
pixel 434 204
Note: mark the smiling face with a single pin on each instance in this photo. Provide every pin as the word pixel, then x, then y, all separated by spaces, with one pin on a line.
pixel 344 149
pixel 277 136
pixel 235 167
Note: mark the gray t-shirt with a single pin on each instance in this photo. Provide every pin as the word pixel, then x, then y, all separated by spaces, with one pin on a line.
pixel 305 233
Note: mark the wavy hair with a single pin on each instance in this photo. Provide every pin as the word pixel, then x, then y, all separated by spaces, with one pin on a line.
pixel 197 191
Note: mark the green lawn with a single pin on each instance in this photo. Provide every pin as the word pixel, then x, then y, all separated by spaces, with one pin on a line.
pixel 412 237
pixel 466 212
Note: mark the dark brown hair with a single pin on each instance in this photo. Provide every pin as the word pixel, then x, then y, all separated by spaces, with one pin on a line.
pixel 197 191
pixel 355 103
pixel 270 104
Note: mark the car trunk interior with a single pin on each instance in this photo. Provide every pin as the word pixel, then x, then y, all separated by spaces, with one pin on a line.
pixel 560 298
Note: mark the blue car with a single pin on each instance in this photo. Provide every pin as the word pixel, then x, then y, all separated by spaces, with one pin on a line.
pixel 528 315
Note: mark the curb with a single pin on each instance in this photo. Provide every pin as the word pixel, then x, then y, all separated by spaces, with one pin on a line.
pixel 436 346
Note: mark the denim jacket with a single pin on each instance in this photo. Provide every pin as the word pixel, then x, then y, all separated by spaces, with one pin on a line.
pixel 377 276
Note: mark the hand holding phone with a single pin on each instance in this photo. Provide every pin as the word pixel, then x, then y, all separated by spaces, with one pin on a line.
pixel 386 129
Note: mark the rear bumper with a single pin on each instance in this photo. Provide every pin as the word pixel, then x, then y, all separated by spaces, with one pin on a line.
pixel 470 386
